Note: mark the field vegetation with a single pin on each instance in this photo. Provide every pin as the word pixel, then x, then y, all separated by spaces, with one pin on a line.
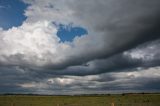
pixel 81 100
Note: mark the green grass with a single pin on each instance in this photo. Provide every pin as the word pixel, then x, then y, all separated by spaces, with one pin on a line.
pixel 101 100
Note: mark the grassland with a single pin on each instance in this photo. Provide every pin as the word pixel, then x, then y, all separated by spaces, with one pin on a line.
pixel 89 100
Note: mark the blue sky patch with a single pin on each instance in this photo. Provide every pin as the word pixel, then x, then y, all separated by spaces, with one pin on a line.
pixel 11 13
pixel 68 32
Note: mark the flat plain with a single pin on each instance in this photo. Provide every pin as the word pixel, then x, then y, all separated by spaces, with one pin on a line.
pixel 82 100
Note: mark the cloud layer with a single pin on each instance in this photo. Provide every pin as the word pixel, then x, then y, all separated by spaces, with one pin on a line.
pixel 122 36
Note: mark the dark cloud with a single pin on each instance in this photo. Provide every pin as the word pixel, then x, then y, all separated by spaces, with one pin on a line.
pixel 123 42
pixel 141 56
pixel 114 82
pixel 128 25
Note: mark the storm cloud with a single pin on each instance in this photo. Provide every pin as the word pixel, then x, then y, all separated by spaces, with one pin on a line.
pixel 123 37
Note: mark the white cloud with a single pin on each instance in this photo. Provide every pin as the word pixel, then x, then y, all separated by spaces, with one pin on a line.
pixel 152 72
pixel 29 44
pixel 35 85
pixel 146 52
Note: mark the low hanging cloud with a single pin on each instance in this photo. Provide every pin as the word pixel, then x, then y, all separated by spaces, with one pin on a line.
pixel 137 80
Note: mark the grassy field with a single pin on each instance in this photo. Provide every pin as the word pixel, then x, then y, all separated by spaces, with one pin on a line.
pixel 97 100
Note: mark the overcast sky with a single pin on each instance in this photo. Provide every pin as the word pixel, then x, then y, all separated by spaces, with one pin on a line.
pixel 79 46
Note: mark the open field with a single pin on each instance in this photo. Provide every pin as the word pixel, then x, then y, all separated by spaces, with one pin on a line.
pixel 90 100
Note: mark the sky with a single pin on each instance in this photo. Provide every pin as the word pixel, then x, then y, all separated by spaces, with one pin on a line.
pixel 79 46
